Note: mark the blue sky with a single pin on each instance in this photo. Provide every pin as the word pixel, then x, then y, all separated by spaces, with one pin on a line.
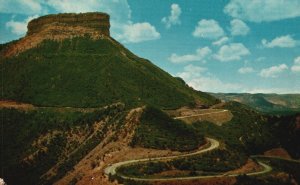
pixel 214 45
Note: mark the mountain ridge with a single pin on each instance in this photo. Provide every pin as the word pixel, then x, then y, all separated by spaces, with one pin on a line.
pixel 75 103
pixel 59 27
pixel 80 65
pixel 267 103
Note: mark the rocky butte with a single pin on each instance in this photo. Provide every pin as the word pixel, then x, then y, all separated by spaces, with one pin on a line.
pixel 61 26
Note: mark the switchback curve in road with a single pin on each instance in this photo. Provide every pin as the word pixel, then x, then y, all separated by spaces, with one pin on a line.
pixel 214 144
pixel 111 170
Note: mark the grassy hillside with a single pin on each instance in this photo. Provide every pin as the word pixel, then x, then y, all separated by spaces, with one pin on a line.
pixel 248 132
pixel 35 141
pixel 158 130
pixel 82 72
pixel 268 103
pixel 212 163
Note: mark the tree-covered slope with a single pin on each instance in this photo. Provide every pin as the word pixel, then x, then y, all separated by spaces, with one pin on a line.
pixel 36 141
pixel 157 130
pixel 83 72
pixel 247 132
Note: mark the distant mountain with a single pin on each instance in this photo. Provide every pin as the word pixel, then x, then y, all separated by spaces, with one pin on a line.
pixel 65 60
pixel 269 103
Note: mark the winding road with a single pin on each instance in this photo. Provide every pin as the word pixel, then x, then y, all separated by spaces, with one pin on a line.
pixel 195 115
pixel 213 144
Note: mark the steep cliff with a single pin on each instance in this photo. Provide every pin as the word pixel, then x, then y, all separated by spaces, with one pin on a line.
pixel 59 27
pixel 97 21
pixel 70 60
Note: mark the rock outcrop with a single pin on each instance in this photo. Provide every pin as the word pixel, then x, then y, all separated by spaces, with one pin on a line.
pixel 58 27
pixel 99 22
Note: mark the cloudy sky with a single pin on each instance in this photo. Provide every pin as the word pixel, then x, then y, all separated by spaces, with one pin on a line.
pixel 214 45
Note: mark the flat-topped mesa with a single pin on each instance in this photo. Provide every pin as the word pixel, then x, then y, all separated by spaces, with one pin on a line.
pixel 99 22
pixel 59 27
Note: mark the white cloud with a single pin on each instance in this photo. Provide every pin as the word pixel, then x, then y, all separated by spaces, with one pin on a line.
pixel 199 78
pixel 263 10
pixel 173 19
pixel 195 77
pixel 283 42
pixel 209 29
pixel 238 27
pixel 26 7
pixel 296 66
pixel 191 71
pixel 245 70
pixel 231 52
pixel 119 11
pixel 274 71
pixel 122 28
pixel 200 55
pixel 139 32
pixel 221 41
pixel 19 27
pixel 76 6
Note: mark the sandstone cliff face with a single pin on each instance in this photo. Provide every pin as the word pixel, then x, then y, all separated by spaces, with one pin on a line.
pixel 97 21
pixel 59 27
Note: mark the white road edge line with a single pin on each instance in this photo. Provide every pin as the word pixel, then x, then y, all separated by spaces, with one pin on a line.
pixel 180 117
pixel 111 170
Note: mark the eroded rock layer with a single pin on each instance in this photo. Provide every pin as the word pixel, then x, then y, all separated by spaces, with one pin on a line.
pixel 59 27
pixel 97 21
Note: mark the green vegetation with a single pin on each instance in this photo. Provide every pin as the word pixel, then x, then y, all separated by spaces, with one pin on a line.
pixel 82 72
pixel 21 129
pixel 214 162
pixel 288 166
pixel 247 132
pixel 5 45
pixel 276 104
pixel 157 130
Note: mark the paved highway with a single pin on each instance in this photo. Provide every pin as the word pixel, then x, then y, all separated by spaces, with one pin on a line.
pixel 213 144
pixel 195 115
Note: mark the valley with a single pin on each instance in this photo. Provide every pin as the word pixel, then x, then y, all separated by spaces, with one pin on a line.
pixel 267 103
pixel 99 164
pixel 78 107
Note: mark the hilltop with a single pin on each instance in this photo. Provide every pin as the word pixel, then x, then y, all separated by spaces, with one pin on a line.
pixel 72 96
pixel 75 102
pixel 71 60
